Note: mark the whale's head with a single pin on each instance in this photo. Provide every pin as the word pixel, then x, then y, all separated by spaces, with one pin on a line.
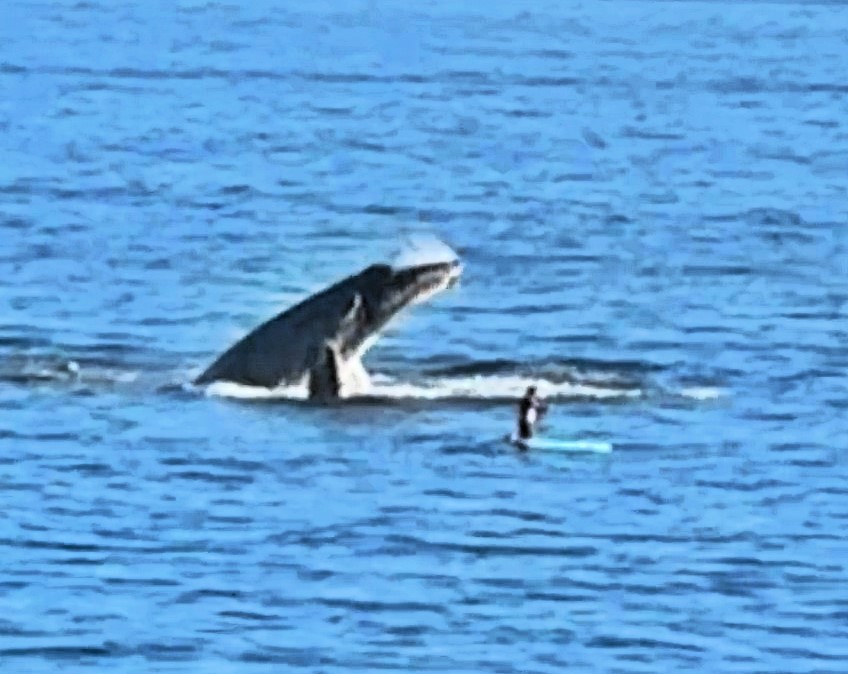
pixel 382 291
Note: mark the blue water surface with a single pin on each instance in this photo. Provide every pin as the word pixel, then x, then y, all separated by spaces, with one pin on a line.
pixel 651 203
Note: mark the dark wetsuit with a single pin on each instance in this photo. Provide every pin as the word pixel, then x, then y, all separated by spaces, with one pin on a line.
pixel 525 428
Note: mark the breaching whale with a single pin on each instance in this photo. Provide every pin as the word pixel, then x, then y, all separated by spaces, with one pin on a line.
pixel 322 339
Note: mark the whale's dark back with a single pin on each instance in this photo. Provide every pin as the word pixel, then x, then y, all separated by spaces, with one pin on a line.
pixel 283 349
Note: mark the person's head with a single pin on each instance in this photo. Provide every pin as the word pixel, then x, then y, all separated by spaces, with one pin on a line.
pixel 531 391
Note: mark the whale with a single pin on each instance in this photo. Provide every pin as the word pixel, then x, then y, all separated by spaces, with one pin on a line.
pixel 321 340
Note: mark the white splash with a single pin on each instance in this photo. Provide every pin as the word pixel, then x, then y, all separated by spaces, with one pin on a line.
pixel 228 389
pixel 482 387
pixel 423 249
pixel 472 388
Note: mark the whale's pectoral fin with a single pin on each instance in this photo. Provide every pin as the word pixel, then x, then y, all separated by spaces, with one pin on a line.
pixel 325 376
pixel 333 377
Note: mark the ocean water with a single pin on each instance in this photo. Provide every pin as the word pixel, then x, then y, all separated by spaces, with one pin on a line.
pixel 651 203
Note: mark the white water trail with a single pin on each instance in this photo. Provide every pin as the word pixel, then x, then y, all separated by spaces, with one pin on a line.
pixel 481 387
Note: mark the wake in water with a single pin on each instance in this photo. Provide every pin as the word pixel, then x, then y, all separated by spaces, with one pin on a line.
pixel 500 381
pixel 492 381
pixel 483 388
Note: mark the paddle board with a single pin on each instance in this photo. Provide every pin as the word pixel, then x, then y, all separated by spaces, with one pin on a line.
pixel 557 445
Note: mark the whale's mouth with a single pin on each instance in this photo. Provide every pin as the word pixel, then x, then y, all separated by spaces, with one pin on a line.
pixel 450 273
pixel 455 274
pixel 431 279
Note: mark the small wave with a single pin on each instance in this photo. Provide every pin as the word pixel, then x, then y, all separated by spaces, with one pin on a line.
pixel 56 370
pixel 703 392
pixel 604 374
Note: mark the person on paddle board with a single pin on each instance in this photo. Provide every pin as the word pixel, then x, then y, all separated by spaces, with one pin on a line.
pixel 530 408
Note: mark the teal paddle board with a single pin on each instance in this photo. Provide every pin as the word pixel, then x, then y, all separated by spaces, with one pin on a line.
pixel 559 445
